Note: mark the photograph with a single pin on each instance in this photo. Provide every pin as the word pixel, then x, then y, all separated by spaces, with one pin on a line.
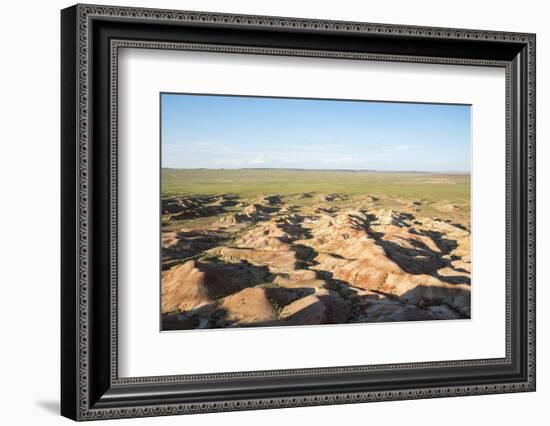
pixel 267 208
pixel 282 211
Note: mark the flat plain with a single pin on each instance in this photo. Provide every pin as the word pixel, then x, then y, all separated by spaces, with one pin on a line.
pixel 276 247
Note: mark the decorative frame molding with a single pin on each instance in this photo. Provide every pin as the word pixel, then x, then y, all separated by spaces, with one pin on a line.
pixel 91 388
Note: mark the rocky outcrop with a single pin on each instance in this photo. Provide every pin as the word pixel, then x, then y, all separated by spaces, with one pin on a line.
pixel 332 259
pixel 248 306
pixel 275 260
pixel 322 308
pixel 187 243
pixel 190 207
pixel 196 283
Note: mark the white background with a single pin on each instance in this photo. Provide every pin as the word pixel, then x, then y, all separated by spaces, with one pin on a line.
pixel 29 222
pixel 142 346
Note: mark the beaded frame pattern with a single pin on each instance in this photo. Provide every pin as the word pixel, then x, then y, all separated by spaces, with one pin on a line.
pixel 86 12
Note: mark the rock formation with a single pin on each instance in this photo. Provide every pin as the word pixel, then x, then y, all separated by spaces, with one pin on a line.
pixel 334 259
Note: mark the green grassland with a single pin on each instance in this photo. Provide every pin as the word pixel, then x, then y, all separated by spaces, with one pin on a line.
pixel 393 189
pixel 251 182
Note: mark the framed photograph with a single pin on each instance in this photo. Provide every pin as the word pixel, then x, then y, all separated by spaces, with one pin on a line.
pixel 263 212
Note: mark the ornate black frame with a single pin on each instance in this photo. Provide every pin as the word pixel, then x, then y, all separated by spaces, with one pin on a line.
pixel 91 37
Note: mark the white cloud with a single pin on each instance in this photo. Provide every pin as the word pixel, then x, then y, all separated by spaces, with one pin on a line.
pixel 243 162
pixel 260 159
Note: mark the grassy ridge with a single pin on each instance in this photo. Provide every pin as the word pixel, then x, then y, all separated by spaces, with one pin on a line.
pixel 250 182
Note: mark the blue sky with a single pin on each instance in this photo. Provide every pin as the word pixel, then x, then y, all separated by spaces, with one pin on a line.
pixel 234 132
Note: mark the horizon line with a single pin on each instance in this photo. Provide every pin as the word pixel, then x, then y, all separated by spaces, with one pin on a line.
pixel 320 169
